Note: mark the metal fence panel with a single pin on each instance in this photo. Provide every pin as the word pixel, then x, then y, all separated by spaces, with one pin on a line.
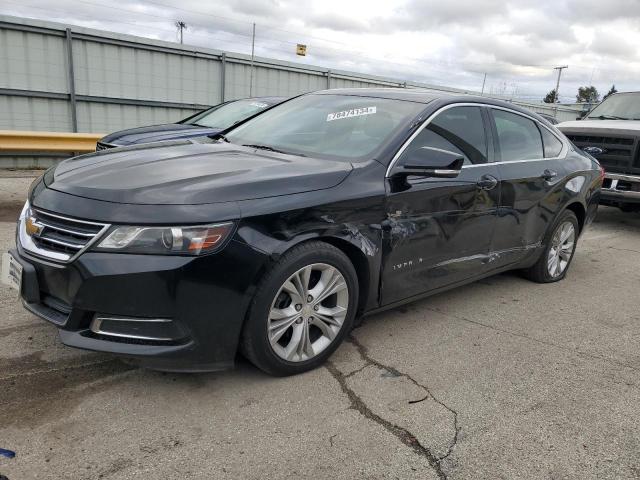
pixel 106 117
pixel 32 61
pixel 26 113
pixel 106 70
pixel 112 81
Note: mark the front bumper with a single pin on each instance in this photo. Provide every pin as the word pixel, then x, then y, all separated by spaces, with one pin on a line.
pixel 164 312
pixel 620 189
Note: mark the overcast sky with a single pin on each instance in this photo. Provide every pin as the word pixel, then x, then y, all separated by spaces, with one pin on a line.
pixel 446 42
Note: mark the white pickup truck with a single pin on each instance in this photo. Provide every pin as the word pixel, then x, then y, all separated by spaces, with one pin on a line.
pixel 611 133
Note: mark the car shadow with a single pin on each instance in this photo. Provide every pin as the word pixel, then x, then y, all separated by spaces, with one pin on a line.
pixel 614 217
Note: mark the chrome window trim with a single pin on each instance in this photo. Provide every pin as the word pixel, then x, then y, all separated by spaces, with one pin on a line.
pixel 563 152
pixel 565 145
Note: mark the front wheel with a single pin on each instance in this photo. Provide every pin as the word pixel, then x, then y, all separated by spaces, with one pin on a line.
pixel 302 310
pixel 560 245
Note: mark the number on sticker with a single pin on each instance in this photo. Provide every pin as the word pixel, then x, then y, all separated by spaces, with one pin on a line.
pixel 354 112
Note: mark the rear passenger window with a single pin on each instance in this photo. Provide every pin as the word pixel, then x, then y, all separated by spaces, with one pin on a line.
pixel 552 146
pixel 519 137
pixel 459 130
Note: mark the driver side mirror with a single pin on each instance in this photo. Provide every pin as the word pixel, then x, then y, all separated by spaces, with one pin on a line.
pixel 430 162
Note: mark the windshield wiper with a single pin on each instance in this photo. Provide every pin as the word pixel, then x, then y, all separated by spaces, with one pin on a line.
pixel 220 137
pixel 270 149
pixel 610 117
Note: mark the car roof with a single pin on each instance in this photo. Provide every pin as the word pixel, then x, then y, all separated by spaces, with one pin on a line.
pixel 270 100
pixel 423 95
pixel 420 95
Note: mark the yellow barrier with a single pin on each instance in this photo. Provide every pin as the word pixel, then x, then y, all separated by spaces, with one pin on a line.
pixel 16 141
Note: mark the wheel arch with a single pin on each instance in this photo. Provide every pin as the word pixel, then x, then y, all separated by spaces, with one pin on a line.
pixel 580 212
pixel 360 264
pixel 363 262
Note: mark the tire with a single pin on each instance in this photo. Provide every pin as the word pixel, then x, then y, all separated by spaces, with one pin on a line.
pixel 272 339
pixel 545 270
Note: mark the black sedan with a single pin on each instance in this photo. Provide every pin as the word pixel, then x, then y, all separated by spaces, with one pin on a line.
pixel 207 122
pixel 285 229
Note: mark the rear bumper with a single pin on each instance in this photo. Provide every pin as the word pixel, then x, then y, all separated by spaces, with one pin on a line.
pixel 620 189
pixel 162 312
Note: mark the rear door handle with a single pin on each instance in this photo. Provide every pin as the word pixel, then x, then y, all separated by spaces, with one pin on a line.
pixel 549 174
pixel 487 182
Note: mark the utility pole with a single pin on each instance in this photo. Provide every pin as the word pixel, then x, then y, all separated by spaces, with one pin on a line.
pixel 253 45
pixel 180 25
pixel 555 111
pixel 484 80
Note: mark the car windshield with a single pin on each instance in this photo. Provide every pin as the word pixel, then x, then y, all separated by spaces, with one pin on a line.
pixel 337 127
pixel 223 116
pixel 625 106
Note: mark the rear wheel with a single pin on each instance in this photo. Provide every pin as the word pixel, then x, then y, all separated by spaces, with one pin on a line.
pixel 302 310
pixel 560 245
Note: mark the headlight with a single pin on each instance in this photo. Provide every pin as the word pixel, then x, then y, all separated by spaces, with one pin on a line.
pixel 194 240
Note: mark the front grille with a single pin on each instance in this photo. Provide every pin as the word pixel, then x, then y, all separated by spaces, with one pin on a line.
pixel 103 146
pixel 619 152
pixel 598 139
pixel 58 238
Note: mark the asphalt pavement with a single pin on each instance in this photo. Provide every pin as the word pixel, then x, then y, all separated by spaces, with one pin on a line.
pixel 501 379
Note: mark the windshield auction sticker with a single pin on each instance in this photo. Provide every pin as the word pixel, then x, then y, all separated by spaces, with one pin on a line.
pixel 354 112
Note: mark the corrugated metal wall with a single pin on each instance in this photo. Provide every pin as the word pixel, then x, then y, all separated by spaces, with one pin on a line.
pixel 59 78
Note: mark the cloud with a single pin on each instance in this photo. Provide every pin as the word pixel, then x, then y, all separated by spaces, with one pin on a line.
pixel 336 22
pixel 610 44
pixel 449 42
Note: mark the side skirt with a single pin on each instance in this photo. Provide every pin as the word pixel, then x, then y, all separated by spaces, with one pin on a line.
pixel 491 273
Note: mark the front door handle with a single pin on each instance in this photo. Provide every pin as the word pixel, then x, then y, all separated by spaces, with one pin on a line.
pixel 487 182
pixel 549 174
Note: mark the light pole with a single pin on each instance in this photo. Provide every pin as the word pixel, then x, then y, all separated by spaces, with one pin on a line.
pixel 557 99
pixel 253 44
pixel 181 26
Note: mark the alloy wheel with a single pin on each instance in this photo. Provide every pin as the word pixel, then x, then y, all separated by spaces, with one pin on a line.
pixel 308 312
pixel 561 250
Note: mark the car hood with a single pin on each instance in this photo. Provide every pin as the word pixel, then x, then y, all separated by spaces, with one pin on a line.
pixel 630 127
pixel 156 133
pixel 185 173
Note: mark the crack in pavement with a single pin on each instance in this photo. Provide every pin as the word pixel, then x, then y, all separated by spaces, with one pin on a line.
pixel 364 354
pixel 404 435
pixel 537 340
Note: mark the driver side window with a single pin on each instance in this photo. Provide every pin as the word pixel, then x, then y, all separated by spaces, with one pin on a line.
pixel 459 130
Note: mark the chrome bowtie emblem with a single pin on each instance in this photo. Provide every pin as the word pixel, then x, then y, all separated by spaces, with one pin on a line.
pixel 594 150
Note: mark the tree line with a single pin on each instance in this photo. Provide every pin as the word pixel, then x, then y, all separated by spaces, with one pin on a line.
pixel 585 94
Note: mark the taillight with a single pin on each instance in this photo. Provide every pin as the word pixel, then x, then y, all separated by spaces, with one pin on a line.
pixel 602 172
